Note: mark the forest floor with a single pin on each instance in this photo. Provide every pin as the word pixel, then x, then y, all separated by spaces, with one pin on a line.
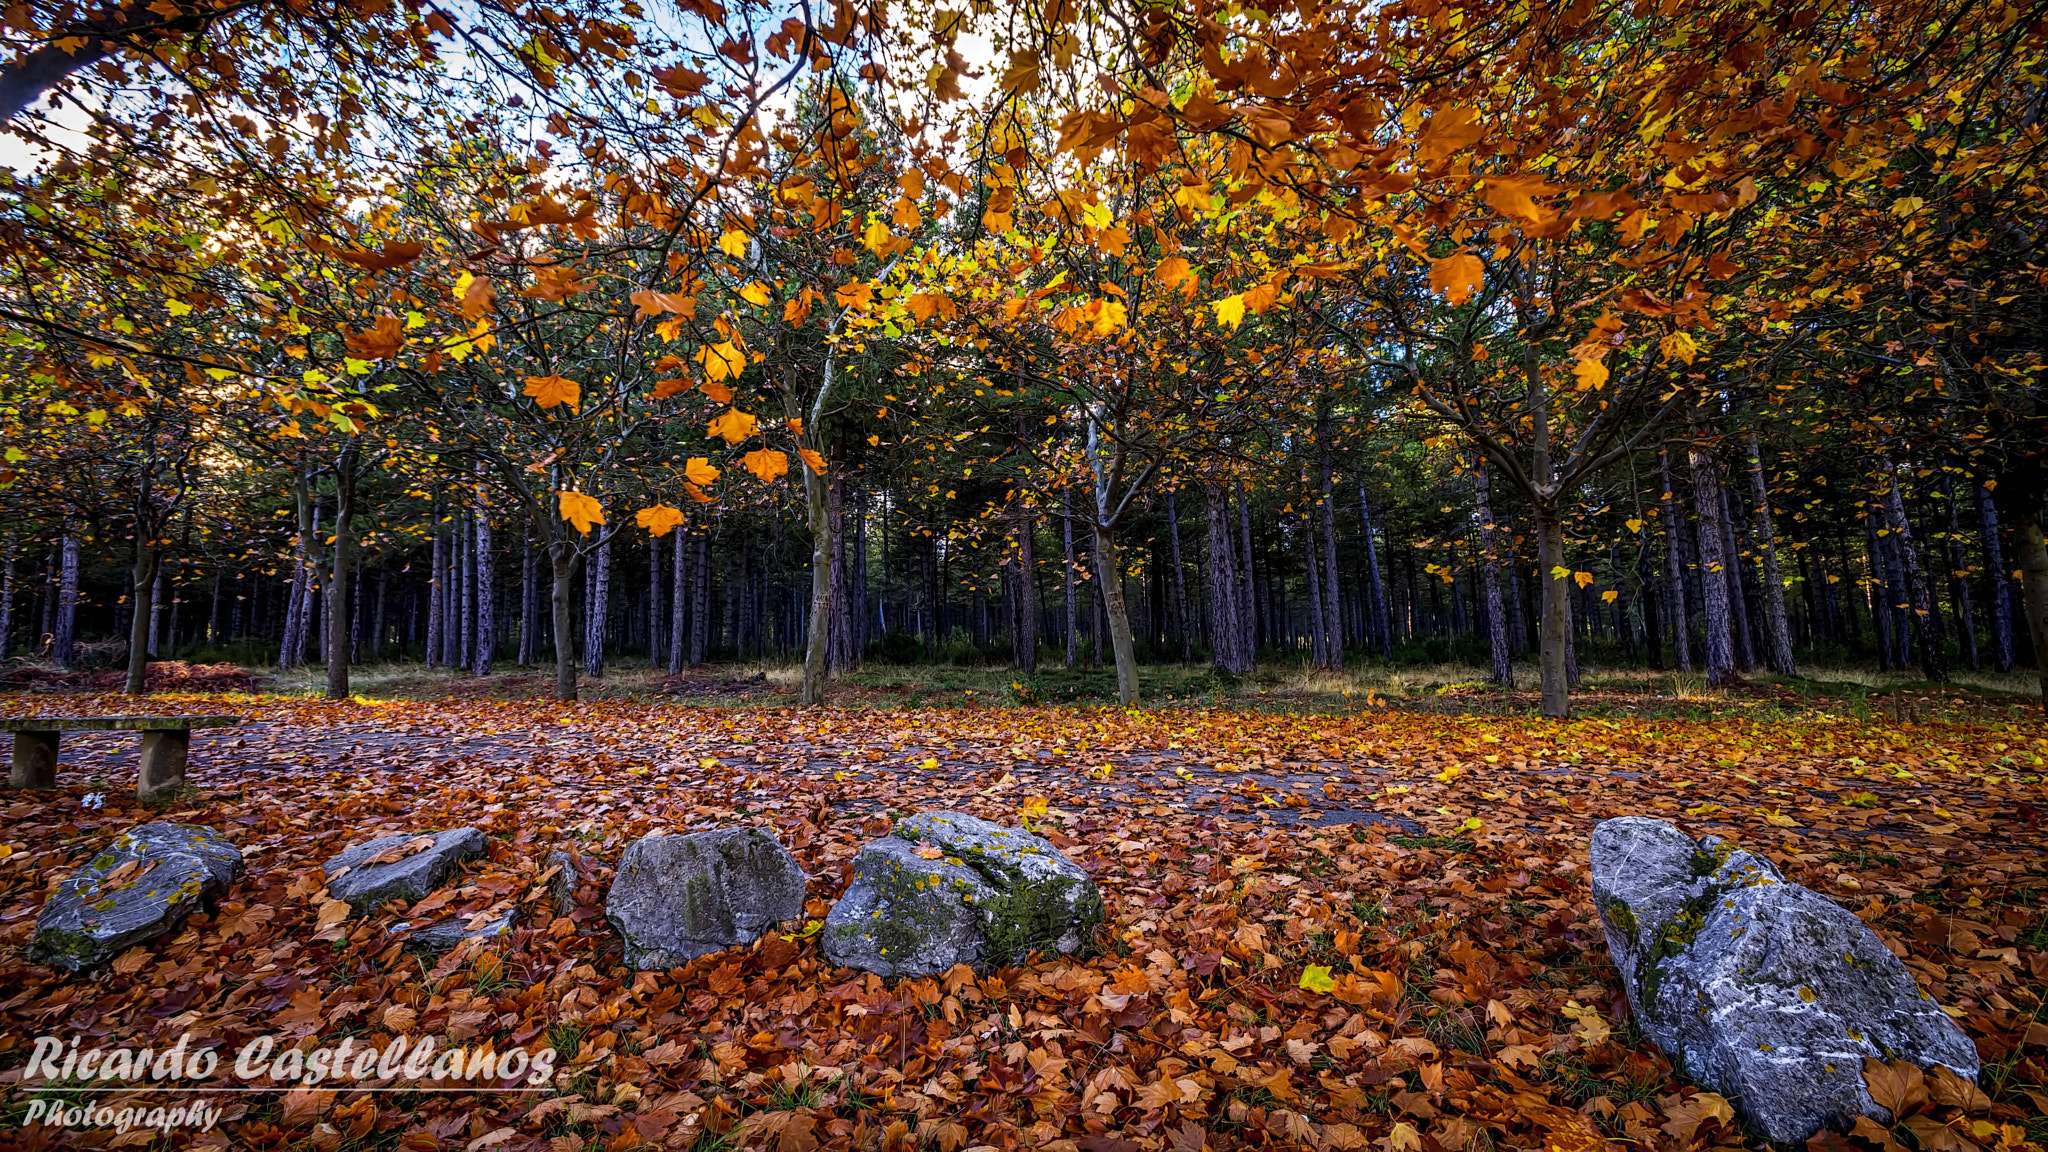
pixel 1435 858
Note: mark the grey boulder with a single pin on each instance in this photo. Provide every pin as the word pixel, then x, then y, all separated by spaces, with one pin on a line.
pixel 980 894
pixel 368 874
pixel 143 886
pixel 1761 990
pixel 676 898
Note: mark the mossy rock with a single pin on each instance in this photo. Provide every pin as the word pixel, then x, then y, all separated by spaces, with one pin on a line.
pixel 946 888
pixel 676 898
pixel 106 907
pixel 1764 991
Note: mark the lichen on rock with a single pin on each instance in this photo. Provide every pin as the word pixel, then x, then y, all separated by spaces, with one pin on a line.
pixel 985 895
pixel 1763 991
pixel 107 906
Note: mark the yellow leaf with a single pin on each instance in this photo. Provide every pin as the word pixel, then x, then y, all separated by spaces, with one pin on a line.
pixel 1678 346
pixel 1317 978
pixel 658 520
pixel 813 460
pixel 1635 525
pixel 699 471
pixel 732 426
pixel 1591 374
pixel 1560 572
pixel 581 510
pixel 1610 595
pixel 878 237
pixel 718 392
pixel 721 361
pixel 1583 579
pixel 755 293
pixel 733 243
pixel 1448 131
pixel 548 391
pixel 766 463
pixel 1456 276
pixel 1230 310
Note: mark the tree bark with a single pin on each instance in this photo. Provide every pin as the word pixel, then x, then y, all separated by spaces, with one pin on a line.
pixel 1714 566
pixel 143 573
pixel 529 600
pixel 562 558
pixel 1333 617
pixel 1375 588
pixel 2000 603
pixel 64 630
pixel 1926 623
pixel 679 598
pixel 1246 588
pixel 1959 576
pixel 1777 627
pixel 1221 581
pixel 1107 571
pixel 1555 580
pixel 817 499
pixel 437 580
pixel 1312 578
pixel 1489 547
pixel 597 613
pixel 1024 643
pixel 1674 567
pixel 337 641
pixel 1073 607
pixel 486 596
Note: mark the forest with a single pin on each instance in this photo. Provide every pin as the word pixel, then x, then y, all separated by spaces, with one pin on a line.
pixel 832 345
pixel 1084 575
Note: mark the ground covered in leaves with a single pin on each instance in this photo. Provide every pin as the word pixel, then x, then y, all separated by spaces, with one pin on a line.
pixel 1365 931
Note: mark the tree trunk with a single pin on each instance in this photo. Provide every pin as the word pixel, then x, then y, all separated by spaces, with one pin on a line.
pixel 1674 567
pixel 1246 588
pixel 597 612
pixel 144 573
pixel 437 579
pixel 1556 625
pixel 1926 621
pixel 1959 574
pixel 818 501
pixel 679 598
pixel 1714 567
pixel 529 600
pixel 2033 548
pixel 486 596
pixel 1778 629
pixel 1024 643
pixel 1333 618
pixel 7 601
pixel 1221 582
pixel 2000 603
pixel 1489 547
pixel 562 558
pixel 1375 589
pixel 1073 606
pixel 64 630
pixel 337 640
pixel 158 600
pixel 1107 571
pixel 1738 604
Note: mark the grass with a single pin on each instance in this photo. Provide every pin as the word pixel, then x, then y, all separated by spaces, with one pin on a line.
pixel 1295 687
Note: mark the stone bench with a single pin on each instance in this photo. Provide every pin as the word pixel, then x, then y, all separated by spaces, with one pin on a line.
pixel 166 743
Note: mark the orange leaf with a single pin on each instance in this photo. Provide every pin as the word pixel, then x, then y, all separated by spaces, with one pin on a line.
pixel 767 464
pixel 548 391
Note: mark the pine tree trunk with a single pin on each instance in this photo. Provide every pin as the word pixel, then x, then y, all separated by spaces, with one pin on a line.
pixel 377 613
pixel 1556 625
pixel 1777 627
pixel 1924 615
pixel 64 631
pixel 7 601
pixel 1220 584
pixel 1489 547
pixel 486 597
pixel 1959 576
pixel 337 639
pixel 1715 564
pixel 529 600
pixel 1999 604
pixel 437 580
pixel 1376 592
pixel 1245 588
pixel 1024 643
pixel 679 598
pixel 1738 603
pixel 1312 579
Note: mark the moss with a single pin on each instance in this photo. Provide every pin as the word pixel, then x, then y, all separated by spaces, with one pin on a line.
pixel 1621 916
pixel 1676 936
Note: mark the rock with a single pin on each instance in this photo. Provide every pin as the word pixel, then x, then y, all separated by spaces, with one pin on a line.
pixel 676 898
pixel 366 885
pixel 141 887
pixel 993 896
pixel 1761 990
pixel 438 936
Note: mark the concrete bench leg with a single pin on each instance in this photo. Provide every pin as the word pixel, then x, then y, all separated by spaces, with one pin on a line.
pixel 163 762
pixel 35 760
